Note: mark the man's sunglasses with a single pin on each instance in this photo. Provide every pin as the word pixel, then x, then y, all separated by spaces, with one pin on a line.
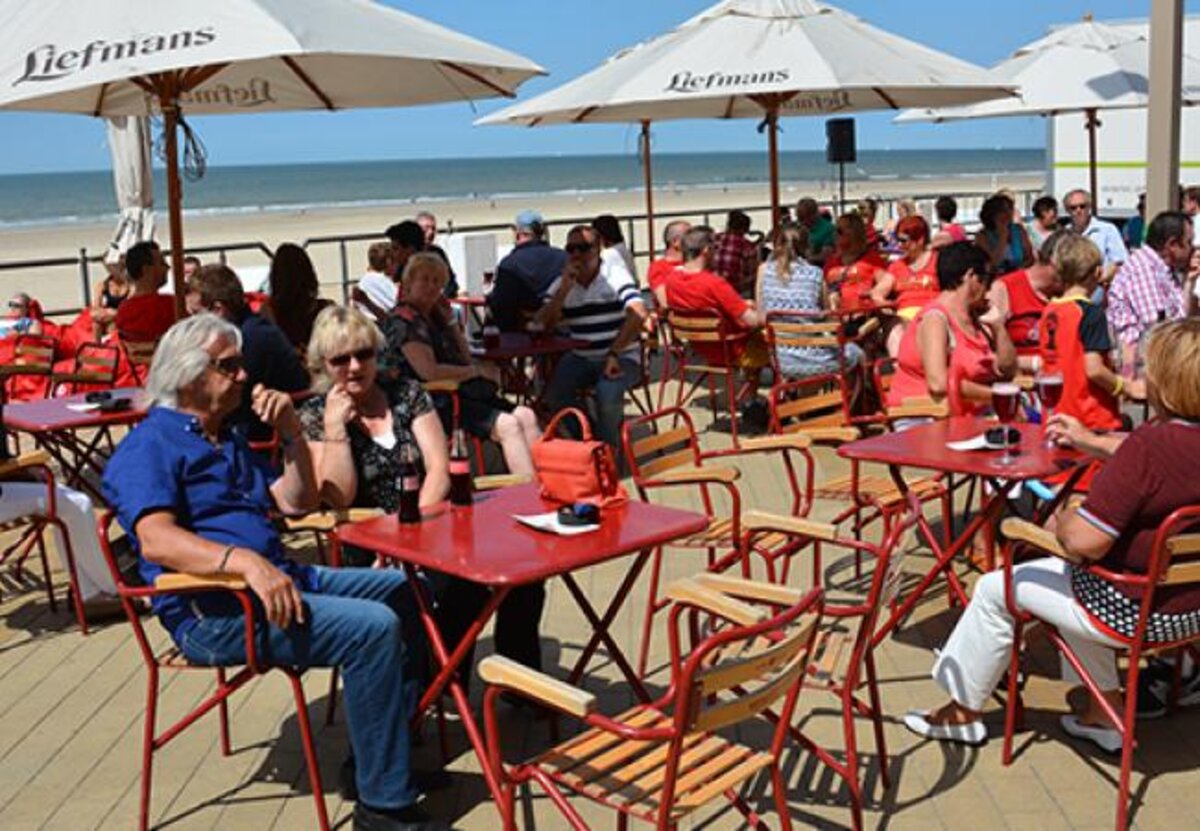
pixel 360 355
pixel 229 367
pixel 579 247
pixel 1082 206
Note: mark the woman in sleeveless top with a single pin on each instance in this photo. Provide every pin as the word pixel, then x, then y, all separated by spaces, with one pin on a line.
pixel 786 282
pixel 855 265
pixel 911 281
pixel 108 298
pixel 955 336
pixel 1004 241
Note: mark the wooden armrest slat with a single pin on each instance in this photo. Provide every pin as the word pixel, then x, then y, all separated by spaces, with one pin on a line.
pixel 750 589
pixel 698 475
pixel 1022 530
pixel 792 441
pixel 501 480
pixel 328 520
pixel 692 593
pixel 182 582
pixel 34 458
pixel 504 672
pixel 830 433
pixel 763 521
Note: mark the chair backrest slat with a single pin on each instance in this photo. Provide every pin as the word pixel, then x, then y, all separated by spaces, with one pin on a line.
pixel 661 441
pixel 1183 560
pixel 679 458
pixel 810 404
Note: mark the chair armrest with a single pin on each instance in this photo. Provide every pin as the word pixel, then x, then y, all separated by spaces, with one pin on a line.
pixel 750 589
pixel 691 593
pixel 919 408
pixel 839 434
pixel 695 475
pixel 440 386
pixel 763 521
pixel 501 480
pixel 505 672
pixel 32 459
pixel 326 521
pixel 1021 530
pixel 789 441
pixel 176 582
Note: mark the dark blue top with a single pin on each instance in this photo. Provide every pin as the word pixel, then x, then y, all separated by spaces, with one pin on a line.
pixel 522 279
pixel 270 360
pixel 217 492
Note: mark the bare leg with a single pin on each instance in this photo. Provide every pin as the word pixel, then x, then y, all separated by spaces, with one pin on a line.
pixel 508 433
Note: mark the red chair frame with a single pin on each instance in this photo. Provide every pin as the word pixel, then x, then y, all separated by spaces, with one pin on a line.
pixel 152 739
pixel 706 327
pixel 95 364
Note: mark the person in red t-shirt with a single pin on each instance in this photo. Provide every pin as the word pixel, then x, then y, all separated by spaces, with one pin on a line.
pixel 852 270
pixel 693 288
pixel 145 315
pixel 735 257
pixel 911 280
pixel 1020 297
pixel 671 259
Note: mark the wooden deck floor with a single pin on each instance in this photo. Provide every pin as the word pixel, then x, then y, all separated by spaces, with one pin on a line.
pixel 71 719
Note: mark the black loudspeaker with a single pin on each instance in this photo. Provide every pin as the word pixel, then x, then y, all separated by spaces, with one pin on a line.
pixel 839 140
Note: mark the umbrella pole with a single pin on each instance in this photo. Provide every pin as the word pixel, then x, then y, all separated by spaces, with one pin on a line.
pixel 1092 124
pixel 170 110
pixel 773 152
pixel 649 180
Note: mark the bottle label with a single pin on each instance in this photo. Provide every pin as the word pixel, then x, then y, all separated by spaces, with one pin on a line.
pixel 410 483
pixel 459 466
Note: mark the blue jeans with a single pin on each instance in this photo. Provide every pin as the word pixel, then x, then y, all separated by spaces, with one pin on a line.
pixel 360 621
pixel 575 373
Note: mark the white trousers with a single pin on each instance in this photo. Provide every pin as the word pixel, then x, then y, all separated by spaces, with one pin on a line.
pixel 977 653
pixel 18 499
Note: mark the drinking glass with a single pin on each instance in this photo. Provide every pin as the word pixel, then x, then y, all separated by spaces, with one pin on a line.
pixel 1006 400
pixel 1049 391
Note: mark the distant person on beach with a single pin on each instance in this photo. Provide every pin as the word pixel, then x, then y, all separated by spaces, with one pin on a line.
pixel 268 357
pixel 597 301
pixel 1104 234
pixel 376 293
pixel 613 241
pixel 735 255
pixel 1002 238
pixel 295 294
pixel 854 267
pixel 671 259
pixel 695 288
pixel 145 315
pixel 1019 298
pixel 1044 222
pixel 523 276
pixel 946 208
pixel 820 229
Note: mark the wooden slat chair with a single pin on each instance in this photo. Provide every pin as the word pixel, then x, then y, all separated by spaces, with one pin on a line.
pixel 28 376
pixel 670 457
pixel 139 354
pixel 171 659
pixel 843 659
pixel 1174 563
pixel 95 367
pixel 705 329
pixel 664 760
pixel 31 530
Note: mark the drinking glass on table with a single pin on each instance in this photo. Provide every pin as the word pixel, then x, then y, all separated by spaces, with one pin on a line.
pixel 1006 400
pixel 1049 390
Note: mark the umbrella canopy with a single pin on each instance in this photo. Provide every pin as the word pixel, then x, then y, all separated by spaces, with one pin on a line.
pixel 144 57
pixel 756 59
pixel 1085 67
pixel 133 181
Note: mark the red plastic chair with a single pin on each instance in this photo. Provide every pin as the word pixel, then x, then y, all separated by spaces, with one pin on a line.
pixel 172 659
pixel 1174 562
pixel 704 346
pixel 664 760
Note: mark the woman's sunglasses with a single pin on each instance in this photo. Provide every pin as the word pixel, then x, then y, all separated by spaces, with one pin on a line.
pixel 360 355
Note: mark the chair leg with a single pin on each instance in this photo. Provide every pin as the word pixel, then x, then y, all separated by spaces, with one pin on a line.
pixel 68 555
pixel 223 714
pixel 781 804
pixel 148 748
pixel 310 750
pixel 331 702
pixel 1012 704
pixel 732 401
pixel 651 609
pixel 852 777
pixel 885 777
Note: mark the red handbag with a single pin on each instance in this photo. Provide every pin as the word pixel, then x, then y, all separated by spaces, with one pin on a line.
pixel 571 471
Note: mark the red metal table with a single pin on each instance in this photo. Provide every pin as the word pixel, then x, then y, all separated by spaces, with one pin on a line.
pixel 486 545
pixel 55 427
pixel 924 446
pixel 515 348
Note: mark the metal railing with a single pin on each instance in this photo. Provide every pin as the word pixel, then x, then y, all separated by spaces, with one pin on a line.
pixel 335 251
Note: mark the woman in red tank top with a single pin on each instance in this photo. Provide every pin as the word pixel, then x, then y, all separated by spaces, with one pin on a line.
pixel 954 336
pixel 910 281
pixel 855 265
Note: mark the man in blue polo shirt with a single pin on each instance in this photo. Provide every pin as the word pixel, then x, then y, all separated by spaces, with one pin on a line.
pixel 196 500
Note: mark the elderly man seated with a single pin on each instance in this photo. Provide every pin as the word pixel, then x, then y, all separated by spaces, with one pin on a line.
pixel 196 500
pixel 523 277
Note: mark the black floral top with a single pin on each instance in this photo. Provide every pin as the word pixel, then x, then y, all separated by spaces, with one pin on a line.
pixel 376 466
pixel 407 325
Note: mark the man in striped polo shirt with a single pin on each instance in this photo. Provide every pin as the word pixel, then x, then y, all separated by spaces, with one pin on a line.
pixel 599 302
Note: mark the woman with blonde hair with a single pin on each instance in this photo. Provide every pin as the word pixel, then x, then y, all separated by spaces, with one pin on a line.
pixel 1115 528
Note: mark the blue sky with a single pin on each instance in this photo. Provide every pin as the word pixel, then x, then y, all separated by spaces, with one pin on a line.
pixel 569 38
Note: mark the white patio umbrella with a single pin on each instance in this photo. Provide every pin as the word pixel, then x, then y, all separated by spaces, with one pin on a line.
pixel 133 182
pixel 1085 67
pixel 758 59
pixel 150 57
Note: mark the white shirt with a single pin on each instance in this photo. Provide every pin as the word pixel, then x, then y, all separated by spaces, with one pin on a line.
pixel 1108 239
pixel 380 289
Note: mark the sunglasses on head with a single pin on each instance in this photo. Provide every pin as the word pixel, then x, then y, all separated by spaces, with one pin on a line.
pixel 579 247
pixel 360 355
pixel 230 366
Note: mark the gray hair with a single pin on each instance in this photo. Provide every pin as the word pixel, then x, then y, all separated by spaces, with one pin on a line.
pixel 675 231
pixel 182 355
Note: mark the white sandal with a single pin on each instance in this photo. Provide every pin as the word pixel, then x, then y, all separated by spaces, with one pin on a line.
pixel 1105 738
pixel 973 733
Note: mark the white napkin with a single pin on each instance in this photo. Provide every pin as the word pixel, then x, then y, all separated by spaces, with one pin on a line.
pixel 549 522
pixel 84 408
pixel 979 442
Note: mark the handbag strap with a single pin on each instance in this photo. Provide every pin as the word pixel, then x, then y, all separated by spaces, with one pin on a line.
pixel 552 427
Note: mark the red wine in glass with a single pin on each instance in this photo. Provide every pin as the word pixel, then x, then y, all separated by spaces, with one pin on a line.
pixel 1050 391
pixel 1006 401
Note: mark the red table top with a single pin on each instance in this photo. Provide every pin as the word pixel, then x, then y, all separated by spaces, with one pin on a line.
pixel 52 414
pixel 486 545
pixel 520 345
pixel 924 446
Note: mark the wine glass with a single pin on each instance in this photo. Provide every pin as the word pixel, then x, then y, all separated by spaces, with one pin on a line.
pixel 1049 390
pixel 1006 400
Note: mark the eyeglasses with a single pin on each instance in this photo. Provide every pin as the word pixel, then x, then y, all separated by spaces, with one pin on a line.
pixel 230 367
pixel 360 355
pixel 903 240
pixel 1079 206
pixel 15 304
pixel 579 247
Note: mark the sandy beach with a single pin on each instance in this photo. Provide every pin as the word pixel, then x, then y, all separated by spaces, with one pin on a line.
pixel 59 287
